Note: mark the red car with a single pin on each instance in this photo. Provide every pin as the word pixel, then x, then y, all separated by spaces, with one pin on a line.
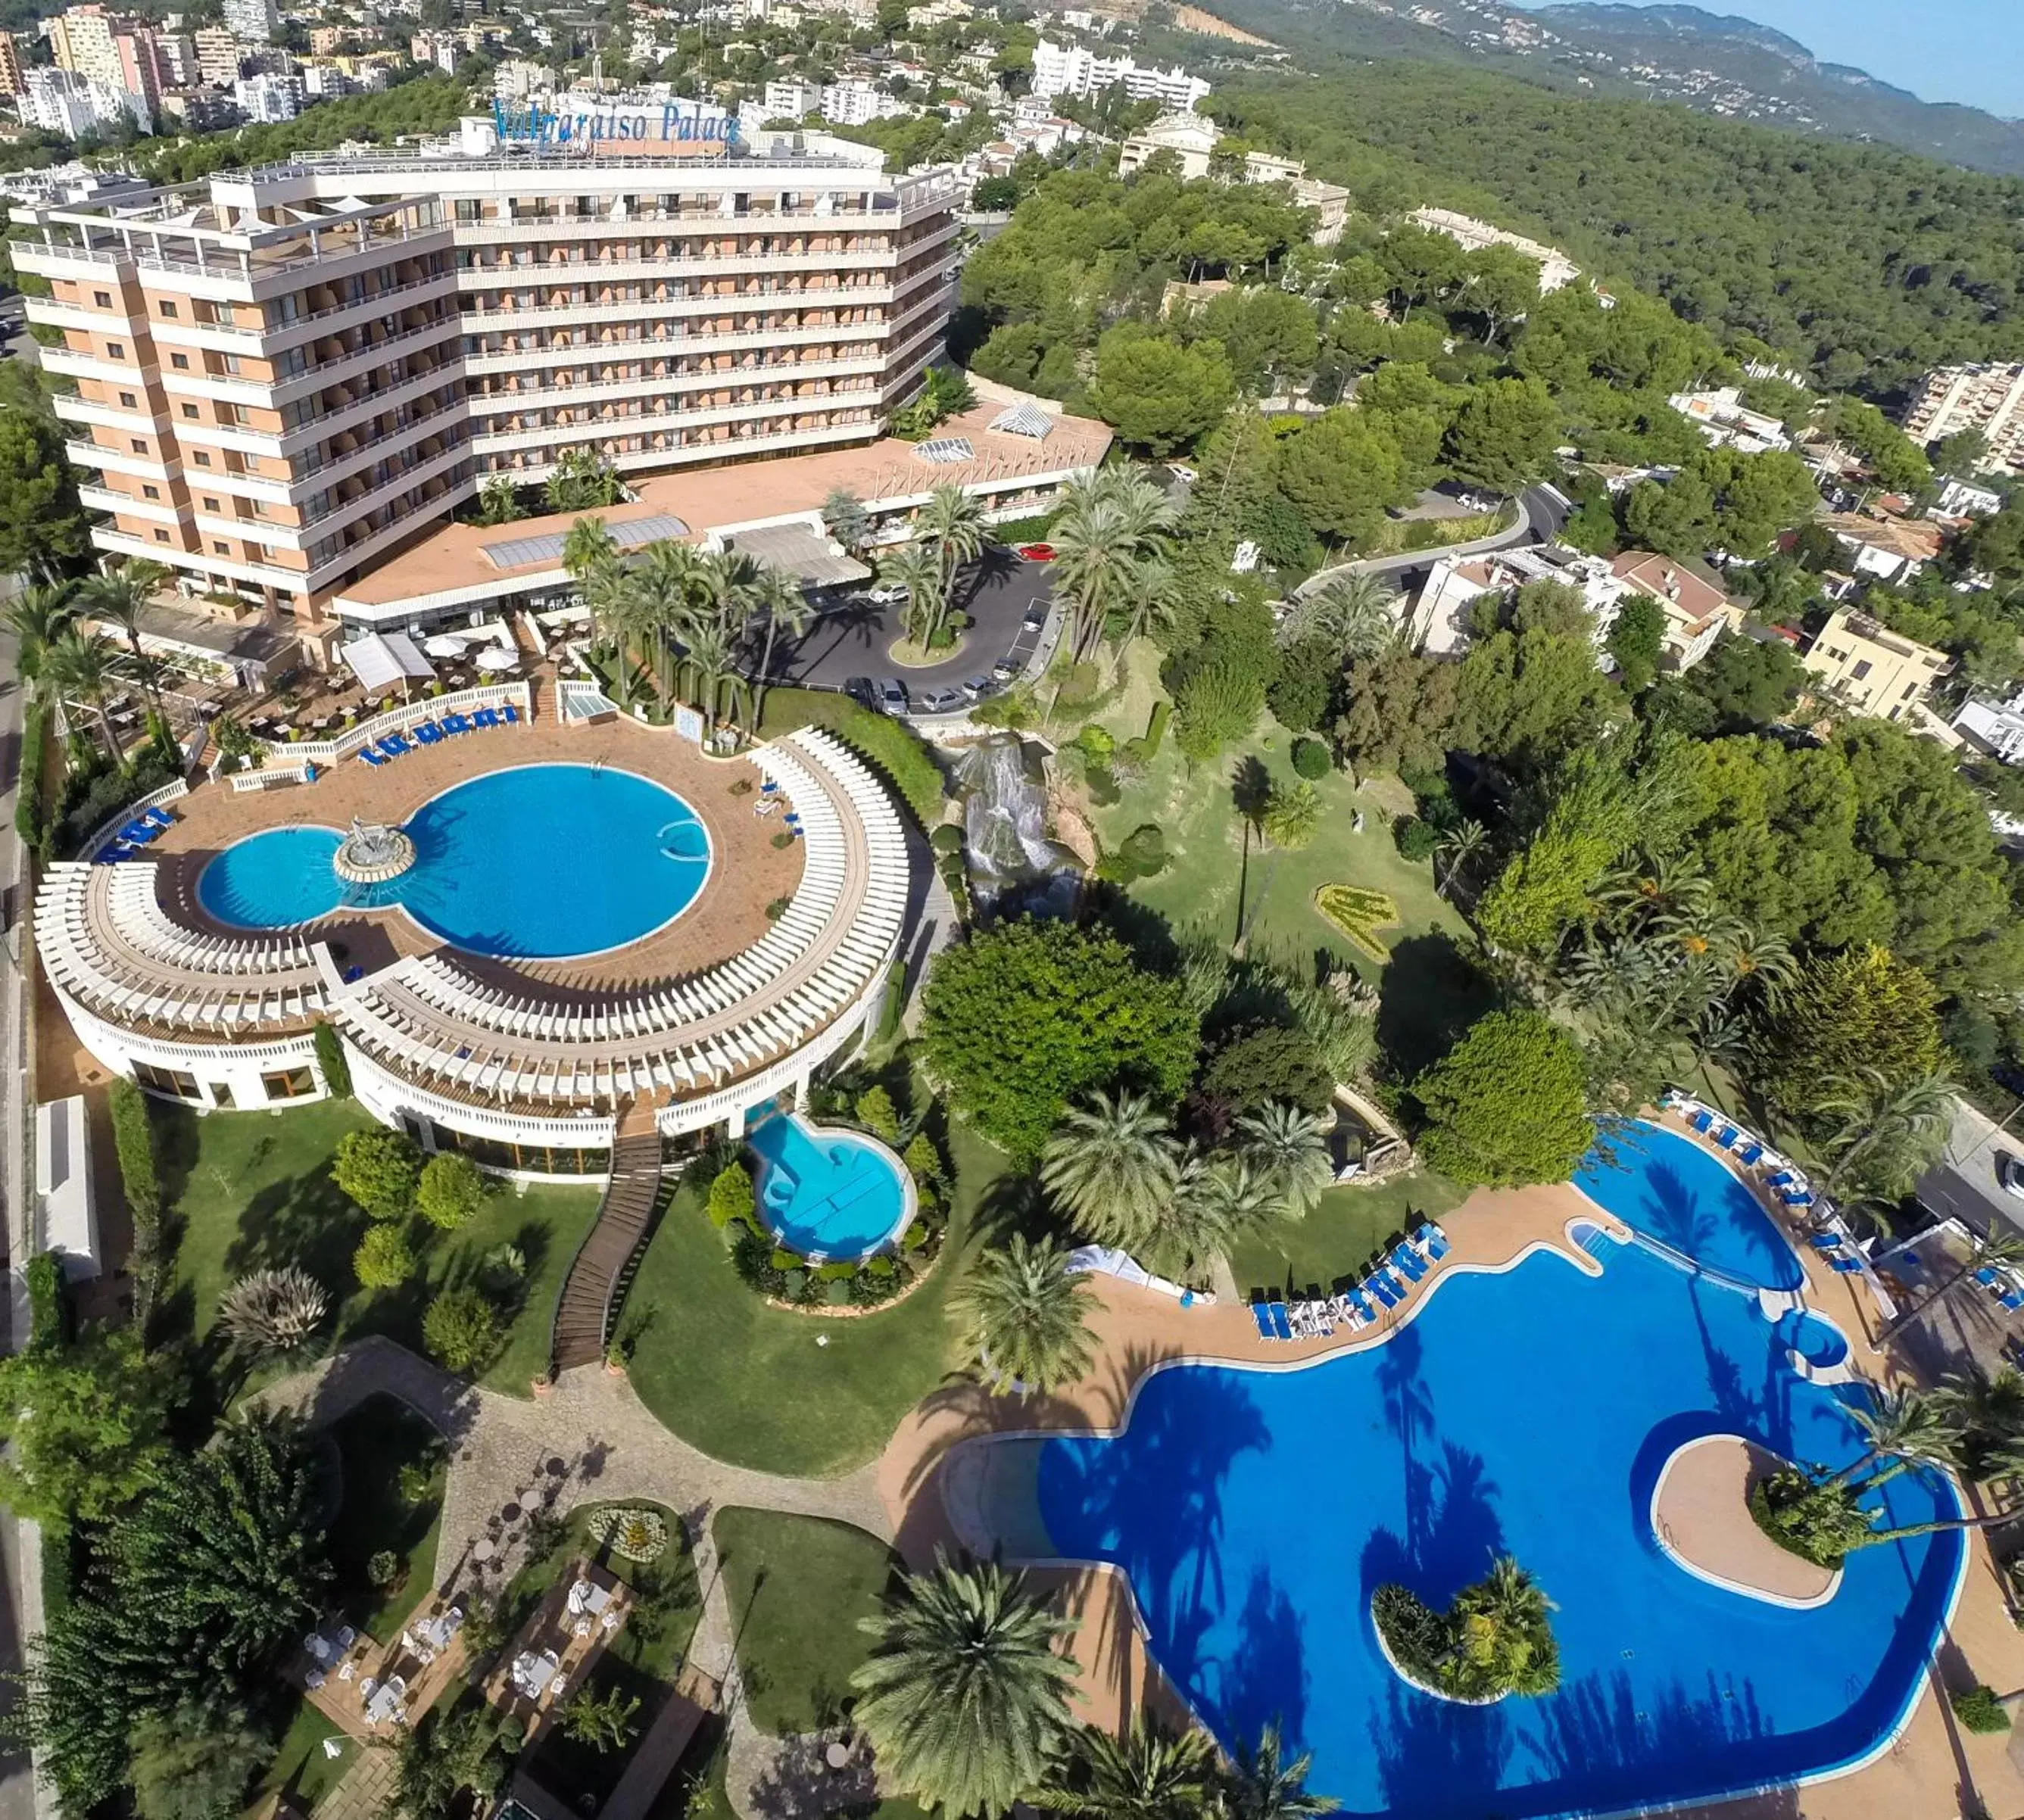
pixel 1037 552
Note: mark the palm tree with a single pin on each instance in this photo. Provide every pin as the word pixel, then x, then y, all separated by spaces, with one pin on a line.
pixel 1113 1166
pixel 37 616
pixel 1147 1774
pixel 1289 1147
pixel 965 1697
pixel 664 589
pixel 1764 959
pixel 1908 1428
pixel 1893 1128
pixel 952 521
pixel 79 667
pixel 588 548
pixel 121 596
pixel 914 568
pixel 1457 849
pixel 709 656
pixel 846 519
pixel 590 554
pixel 1357 615
pixel 1110 522
pixel 785 606
pixel 1293 816
pixel 1025 1315
pixel 1995 1251
pixel 1504 1639
pixel 1263 1785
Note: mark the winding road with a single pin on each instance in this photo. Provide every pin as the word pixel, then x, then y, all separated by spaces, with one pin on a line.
pixel 1542 511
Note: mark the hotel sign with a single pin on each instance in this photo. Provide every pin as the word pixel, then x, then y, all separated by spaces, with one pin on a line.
pixel 605 128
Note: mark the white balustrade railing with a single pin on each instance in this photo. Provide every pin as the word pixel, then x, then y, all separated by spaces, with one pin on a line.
pixel 518 692
pixel 109 829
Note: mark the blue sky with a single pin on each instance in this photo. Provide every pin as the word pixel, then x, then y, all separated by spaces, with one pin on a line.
pixel 1942 50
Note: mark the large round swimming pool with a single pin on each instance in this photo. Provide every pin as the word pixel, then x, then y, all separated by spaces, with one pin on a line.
pixel 539 862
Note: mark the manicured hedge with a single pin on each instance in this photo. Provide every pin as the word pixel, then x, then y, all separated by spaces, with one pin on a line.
pixel 28 822
pixel 888 745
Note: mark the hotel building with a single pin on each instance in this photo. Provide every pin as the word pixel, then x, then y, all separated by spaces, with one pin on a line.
pixel 285 375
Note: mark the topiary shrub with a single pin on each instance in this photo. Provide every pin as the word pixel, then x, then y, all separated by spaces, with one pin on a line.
pixel 917 1235
pixel 1358 912
pixel 793 1285
pixel 384 1259
pixel 450 1191
pixel 1155 728
pixel 880 1266
pixel 783 1259
pixel 1312 759
pixel 336 1070
pixel 460 1330
pixel 947 840
pixel 379 1169
pixel 1144 850
pixel 1416 839
pixel 730 1199
pixel 837 1293
pixel 837 1270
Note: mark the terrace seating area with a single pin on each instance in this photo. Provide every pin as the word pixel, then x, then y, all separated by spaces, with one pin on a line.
pixel 101 932
pixel 432 1019
pixel 1389 1286
pixel 427 732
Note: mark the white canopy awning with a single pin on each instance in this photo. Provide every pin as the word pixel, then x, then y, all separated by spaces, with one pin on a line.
pixel 381 658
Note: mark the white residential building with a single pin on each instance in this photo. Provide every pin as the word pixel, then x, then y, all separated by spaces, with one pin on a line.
pixel 1988 397
pixel 1191 138
pixel 1962 499
pixel 1060 69
pixel 792 100
pixel 64 102
pixel 1439 617
pixel 254 20
pixel 266 99
pixel 1727 423
pixel 1996 727
pixel 855 101
pixel 1556 269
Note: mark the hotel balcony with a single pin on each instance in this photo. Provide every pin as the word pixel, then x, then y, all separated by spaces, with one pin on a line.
pixel 656 347
pixel 119 544
pixel 143 419
pixel 505 441
pixel 110 461
pixel 102 499
pixel 73 364
pixel 664 309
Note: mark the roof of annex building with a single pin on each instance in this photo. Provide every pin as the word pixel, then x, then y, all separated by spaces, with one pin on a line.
pixel 456 563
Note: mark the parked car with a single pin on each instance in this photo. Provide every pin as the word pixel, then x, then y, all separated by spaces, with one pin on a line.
pixel 885 596
pixel 1186 476
pixel 892 695
pixel 2010 1172
pixel 1004 670
pixel 977 687
pixel 941 701
pixel 862 689
pixel 1036 617
pixel 1037 552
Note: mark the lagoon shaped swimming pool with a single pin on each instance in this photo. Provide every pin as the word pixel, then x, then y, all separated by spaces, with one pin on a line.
pixel 541 861
pixel 1529 1411
pixel 826 1193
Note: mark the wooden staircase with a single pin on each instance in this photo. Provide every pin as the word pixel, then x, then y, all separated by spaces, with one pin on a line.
pixel 604 1264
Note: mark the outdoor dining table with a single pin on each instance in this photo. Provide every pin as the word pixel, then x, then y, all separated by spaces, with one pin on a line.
pixel 387 1702
pixel 533 1673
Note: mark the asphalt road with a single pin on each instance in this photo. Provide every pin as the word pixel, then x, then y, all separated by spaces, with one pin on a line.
pixel 1963 1185
pixel 854 641
pixel 1541 512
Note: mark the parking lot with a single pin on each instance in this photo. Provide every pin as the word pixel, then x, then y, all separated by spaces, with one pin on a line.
pixel 851 641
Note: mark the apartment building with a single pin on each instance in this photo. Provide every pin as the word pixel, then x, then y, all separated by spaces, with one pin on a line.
pixel 284 373
pixel 1192 139
pixel 1697 613
pixel 64 102
pixel 219 55
pixel 252 20
pixel 1556 269
pixel 81 41
pixel 266 99
pixel 1989 397
pixel 1871 670
pixel 10 67
pixel 1064 69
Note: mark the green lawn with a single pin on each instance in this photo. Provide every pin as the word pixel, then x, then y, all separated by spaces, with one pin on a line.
pixel 253 1189
pixel 300 1768
pixel 797 1587
pixel 374 1443
pixel 1338 1236
pixel 640 1661
pixel 749 1384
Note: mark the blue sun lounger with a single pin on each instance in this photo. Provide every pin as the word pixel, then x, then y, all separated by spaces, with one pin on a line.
pixel 159 816
pixel 1778 1180
pixel 1282 1328
pixel 1748 1153
pixel 1847 1266
pixel 1410 1262
pixel 1264 1321
pixel 1398 1285
pixel 138 833
pixel 428 733
pixel 1795 1197
pixel 1726 1137
pixel 485 717
pixel 394 745
pixel 2010 1300
pixel 1382 1291
pixel 1361 1302
pixel 512 714
pixel 1986 1276
pixel 456 723
pixel 1432 1240
pixel 1702 1120
pixel 371 757
pixel 1825 1241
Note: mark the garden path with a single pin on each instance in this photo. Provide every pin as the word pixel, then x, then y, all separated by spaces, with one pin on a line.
pixel 589 1439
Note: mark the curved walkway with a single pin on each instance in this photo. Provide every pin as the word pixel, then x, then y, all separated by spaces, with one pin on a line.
pixel 612 1449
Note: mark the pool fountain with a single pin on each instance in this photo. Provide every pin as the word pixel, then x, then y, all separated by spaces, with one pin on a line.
pixel 371 853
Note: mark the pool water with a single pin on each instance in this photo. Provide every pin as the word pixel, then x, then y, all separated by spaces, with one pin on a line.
pixel 1672 1190
pixel 826 1193
pixel 537 863
pixel 1528 1411
pixel 1820 1342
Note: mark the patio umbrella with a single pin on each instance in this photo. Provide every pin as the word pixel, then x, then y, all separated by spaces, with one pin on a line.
pixel 444 645
pixel 497 659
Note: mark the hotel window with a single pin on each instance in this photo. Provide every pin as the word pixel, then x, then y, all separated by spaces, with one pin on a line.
pixel 128 401
pixel 136 446
pixel 190 410
pixel 167 308
pixel 180 362
pixel 211 505
pixel 221 549
pixel 1861 669
pixel 161 536
pixel 115 350
pixel 173 1082
pixel 288 1083
pixel 102 298
pixel 203 458
pixel 150 493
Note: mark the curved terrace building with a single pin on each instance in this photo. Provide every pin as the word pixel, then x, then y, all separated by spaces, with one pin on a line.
pixel 768 968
